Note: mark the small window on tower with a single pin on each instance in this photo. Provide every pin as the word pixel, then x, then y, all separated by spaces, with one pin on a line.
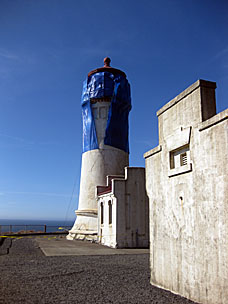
pixel 103 112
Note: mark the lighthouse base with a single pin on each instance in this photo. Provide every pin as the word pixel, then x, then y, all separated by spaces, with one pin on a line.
pixel 83 235
pixel 85 226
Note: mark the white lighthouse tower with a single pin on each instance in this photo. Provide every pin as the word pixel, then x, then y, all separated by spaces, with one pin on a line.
pixel 106 103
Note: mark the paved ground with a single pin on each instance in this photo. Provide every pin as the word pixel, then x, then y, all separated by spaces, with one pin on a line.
pixel 55 246
pixel 28 276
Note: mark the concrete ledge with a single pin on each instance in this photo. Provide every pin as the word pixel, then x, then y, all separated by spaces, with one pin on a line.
pixel 153 151
pixel 89 235
pixel 213 120
pixel 110 193
pixel 93 232
pixel 87 212
pixel 180 170
pixel 189 90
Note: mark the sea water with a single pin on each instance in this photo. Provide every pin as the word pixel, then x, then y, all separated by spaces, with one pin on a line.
pixel 16 225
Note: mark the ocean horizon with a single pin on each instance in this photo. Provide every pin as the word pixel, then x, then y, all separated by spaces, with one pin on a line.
pixel 34 225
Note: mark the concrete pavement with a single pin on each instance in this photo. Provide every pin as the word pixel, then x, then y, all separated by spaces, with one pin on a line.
pixel 59 246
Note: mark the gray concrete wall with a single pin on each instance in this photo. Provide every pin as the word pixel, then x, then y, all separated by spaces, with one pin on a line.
pixel 130 213
pixel 136 207
pixel 187 185
pixel 132 209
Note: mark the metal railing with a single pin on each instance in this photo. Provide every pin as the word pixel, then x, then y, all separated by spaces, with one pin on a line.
pixel 27 229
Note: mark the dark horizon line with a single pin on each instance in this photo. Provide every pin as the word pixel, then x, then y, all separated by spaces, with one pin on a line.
pixel 33 219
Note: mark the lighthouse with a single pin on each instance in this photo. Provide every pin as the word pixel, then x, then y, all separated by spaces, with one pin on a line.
pixel 106 103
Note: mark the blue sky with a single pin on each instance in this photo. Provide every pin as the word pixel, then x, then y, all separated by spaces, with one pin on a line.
pixel 47 47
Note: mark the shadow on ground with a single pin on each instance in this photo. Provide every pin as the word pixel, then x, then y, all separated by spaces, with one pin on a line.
pixel 28 276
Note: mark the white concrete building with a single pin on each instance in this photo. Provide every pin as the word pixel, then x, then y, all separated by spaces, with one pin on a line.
pixel 187 185
pixel 123 210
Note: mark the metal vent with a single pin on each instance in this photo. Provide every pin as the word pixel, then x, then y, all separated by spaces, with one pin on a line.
pixel 183 159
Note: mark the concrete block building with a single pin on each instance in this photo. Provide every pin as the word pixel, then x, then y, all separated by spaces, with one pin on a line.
pixel 123 210
pixel 187 185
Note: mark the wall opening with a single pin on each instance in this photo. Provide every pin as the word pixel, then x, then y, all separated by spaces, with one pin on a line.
pixel 102 213
pixel 179 157
pixel 110 212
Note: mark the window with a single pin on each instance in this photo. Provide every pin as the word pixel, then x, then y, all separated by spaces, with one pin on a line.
pixel 110 212
pixel 102 213
pixel 103 112
pixel 179 161
pixel 179 157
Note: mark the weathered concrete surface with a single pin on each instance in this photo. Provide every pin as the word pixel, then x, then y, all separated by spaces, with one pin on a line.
pixel 187 185
pixel 128 226
pixel 63 247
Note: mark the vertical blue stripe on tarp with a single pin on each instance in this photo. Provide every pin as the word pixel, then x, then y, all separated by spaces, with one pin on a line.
pixel 89 129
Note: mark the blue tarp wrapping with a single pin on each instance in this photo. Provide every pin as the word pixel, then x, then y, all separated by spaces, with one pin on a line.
pixel 105 84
